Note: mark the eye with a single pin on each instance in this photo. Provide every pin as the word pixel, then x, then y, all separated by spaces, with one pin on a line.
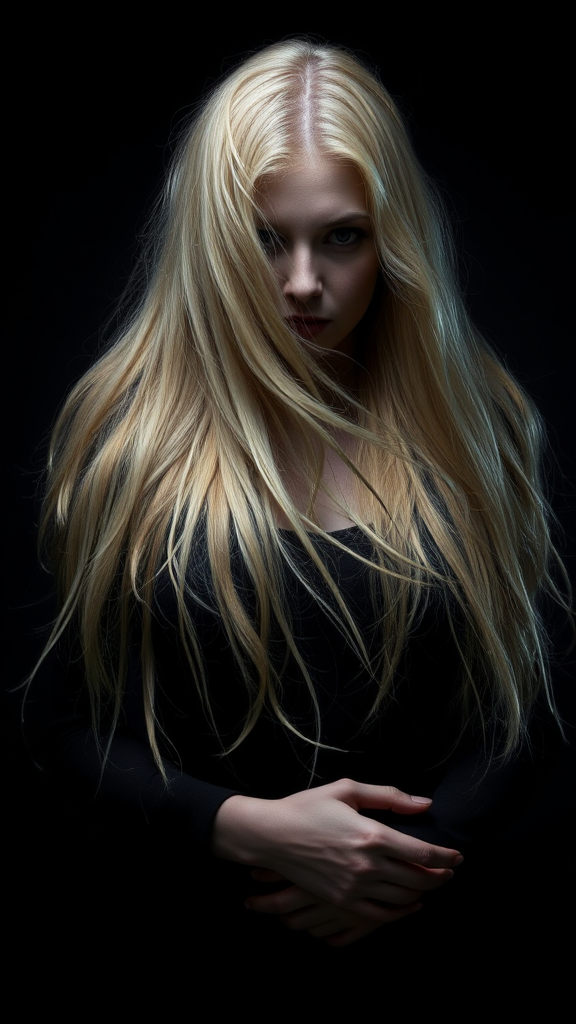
pixel 345 237
pixel 270 241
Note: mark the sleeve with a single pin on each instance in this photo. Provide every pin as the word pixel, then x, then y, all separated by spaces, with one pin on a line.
pixel 115 777
pixel 481 794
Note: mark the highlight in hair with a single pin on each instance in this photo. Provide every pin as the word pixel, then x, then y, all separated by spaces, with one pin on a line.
pixel 180 426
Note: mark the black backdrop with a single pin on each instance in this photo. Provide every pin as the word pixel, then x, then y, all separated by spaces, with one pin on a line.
pixel 487 110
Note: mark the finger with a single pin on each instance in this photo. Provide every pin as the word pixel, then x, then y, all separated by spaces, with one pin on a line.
pixel 287 902
pixel 362 795
pixel 395 895
pixel 376 910
pixel 398 884
pixel 350 935
pixel 320 919
pixel 384 798
pixel 301 911
pixel 323 919
pixel 409 877
pixel 416 853
pixel 283 902
pixel 265 875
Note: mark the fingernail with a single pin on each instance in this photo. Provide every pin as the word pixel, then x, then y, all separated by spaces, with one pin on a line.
pixel 421 799
pixel 459 859
pixel 247 905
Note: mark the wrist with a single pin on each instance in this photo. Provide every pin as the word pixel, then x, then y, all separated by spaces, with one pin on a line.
pixel 236 830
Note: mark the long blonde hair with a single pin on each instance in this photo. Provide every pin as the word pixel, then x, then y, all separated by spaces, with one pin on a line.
pixel 173 427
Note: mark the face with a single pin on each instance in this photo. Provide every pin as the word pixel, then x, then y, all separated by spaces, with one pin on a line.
pixel 317 234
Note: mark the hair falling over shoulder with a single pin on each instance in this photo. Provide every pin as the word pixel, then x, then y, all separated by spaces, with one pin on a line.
pixel 180 422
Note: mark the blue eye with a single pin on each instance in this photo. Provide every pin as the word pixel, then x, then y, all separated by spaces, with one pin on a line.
pixel 345 237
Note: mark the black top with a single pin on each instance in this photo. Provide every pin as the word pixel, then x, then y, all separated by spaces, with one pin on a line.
pixel 415 742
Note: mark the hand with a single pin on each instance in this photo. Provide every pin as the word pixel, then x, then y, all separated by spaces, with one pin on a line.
pixel 301 911
pixel 318 840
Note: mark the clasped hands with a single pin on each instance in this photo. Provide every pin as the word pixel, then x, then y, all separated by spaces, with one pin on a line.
pixel 349 874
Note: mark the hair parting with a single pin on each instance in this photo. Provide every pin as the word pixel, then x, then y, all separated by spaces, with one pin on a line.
pixel 177 428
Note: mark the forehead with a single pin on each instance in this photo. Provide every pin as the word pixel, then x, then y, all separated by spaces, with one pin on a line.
pixel 319 189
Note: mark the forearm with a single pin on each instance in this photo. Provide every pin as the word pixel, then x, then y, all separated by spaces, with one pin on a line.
pixel 128 784
pixel 475 799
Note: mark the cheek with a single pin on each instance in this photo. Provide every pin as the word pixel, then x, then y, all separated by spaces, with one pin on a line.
pixel 361 287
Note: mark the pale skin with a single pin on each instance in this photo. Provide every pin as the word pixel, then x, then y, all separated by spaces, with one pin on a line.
pixel 349 874
pixel 346 874
pixel 317 233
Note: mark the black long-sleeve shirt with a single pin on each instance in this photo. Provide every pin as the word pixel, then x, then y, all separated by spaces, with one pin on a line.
pixel 414 742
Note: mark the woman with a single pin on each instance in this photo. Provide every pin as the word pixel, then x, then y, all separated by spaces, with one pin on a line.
pixel 297 526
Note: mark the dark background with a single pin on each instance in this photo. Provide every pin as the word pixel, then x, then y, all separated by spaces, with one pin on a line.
pixel 486 104
pixel 487 108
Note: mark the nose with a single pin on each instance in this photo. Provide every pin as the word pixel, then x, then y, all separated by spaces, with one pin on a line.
pixel 302 280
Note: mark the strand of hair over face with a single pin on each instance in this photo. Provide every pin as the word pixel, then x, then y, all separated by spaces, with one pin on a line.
pixel 179 428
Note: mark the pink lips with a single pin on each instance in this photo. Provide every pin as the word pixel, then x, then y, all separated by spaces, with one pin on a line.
pixel 308 326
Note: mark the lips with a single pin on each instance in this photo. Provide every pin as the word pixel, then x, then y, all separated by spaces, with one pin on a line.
pixel 308 326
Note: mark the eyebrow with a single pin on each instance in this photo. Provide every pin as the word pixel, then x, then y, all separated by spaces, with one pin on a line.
pixel 353 215
pixel 344 219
